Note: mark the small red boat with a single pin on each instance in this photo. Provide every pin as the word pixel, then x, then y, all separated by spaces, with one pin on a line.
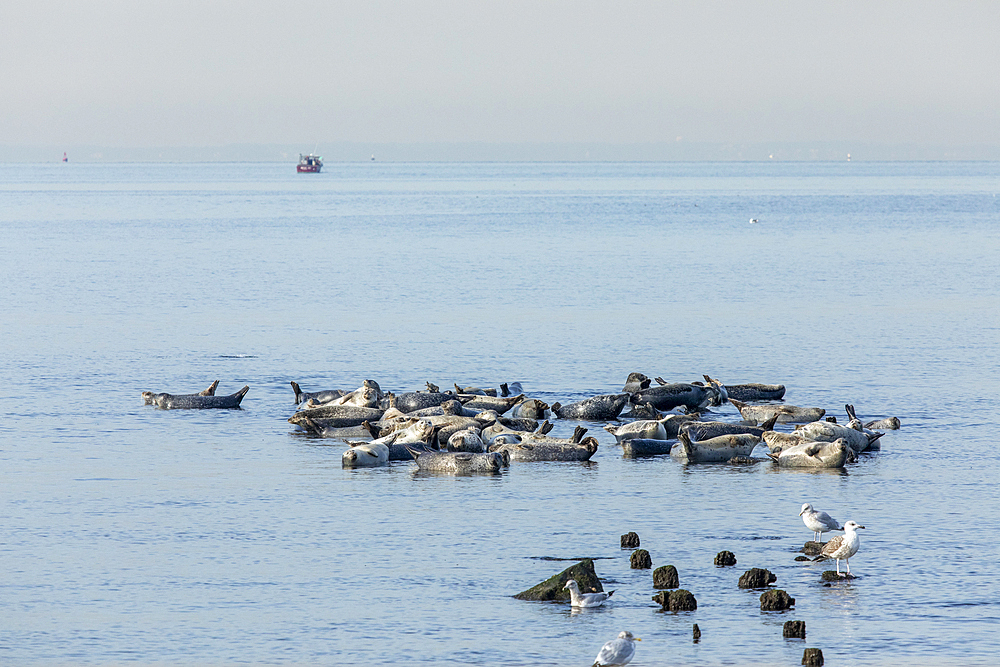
pixel 310 164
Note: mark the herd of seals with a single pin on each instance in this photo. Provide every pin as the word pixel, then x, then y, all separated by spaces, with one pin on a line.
pixel 482 430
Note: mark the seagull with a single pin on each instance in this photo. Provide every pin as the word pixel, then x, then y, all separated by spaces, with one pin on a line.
pixel 818 522
pixel 578 599
pixel 753 220
pixel 842 547
pixel 617 651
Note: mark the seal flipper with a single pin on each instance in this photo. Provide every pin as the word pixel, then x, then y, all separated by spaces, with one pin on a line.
pixel 211 389
pixel 769 424
pixel 298 392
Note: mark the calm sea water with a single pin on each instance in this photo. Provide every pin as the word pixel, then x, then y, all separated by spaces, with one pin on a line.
pixel 135 535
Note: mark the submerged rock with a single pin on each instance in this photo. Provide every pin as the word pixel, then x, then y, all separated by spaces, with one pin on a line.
pixel 641 560
pixel 794 630
pixel 725 559
pixel 666 577
pixel 806 559
pixel 757 578
pixel 812 657
pixel 696 633
pixel 553 587
pixel 776 600
pixel 811 548
pixel 679 600
pixel 630 541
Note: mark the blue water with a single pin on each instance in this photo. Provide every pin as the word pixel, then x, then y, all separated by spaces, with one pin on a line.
pixel 135 535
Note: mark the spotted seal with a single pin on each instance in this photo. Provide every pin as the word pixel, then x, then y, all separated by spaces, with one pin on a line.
pixel 636 382
pixel 813 454
pixel 476 391
pixel 541 450
pixel 318 396
pixel 674 395
pixel 365 455
pixel 698 430
pixel 415 400
pixel 147 396
pixel 337 416
pixel 530 408
pixel 195 401
pixel 460 462
pixel 823 431
pixel 605 407
pixel 756 414
pixel 756 392
pixel 638 447
pixel 467 440
pixel 888 424
pixel 714 450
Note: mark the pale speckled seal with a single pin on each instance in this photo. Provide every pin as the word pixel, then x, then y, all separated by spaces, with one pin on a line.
pixel 889 424
pixel 714 450
pixel 147 396
pixel 605 407
pixel 467 440
pixel 541 450
pixel 501 405
pixel 365 455
pixel 757 414
pixel 195 401
pixel 459 463
pixel 705 430
pixel 859 441
pixel 813 455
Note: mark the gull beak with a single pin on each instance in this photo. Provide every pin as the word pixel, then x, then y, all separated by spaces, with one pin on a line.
pixel 860 526
pixel 800 513
pixel 637 639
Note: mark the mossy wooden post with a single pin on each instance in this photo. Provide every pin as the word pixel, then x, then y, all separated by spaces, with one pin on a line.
pixel 553 587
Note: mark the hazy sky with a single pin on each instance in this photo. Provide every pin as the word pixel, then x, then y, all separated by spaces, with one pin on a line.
pixel 178 73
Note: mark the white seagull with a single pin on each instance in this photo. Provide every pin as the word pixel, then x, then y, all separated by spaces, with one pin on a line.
pixel 617 651
pixel 818 522
pixel 578 599
pixel 753 220
pixel 842 547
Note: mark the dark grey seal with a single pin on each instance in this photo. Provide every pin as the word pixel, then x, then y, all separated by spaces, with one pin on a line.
pixel 670 396
pixel 336 416
pixel 460 462
pixel 707 430
pixel 605 407
pixel 639 447
pixel 318 396
pixel 636 382
pixel 476 391
pixel 756 392
pixel 501 405
pixel 415 400
pixel 195 401
pixel 147 396
pixel 889 424
pixel 530 408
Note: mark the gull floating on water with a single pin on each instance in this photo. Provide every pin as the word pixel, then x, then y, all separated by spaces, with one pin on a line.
pixel 617 651
pixel 842 547
pixel 578 599
pixel 753 220
pixel 818 522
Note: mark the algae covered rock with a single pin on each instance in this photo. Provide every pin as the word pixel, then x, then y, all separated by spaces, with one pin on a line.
pixel 794 630
pixel 776 600
pixel 679 600
pixel 725 559
pixel 553 587
pixel 666 577
pixel 812 657
pixel 630 541
pixel 757 577
pixel 641 560
pixel 831 575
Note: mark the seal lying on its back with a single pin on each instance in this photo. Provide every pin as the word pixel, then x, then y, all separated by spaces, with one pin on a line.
pixel 460 462
pixel 365 455
pixel 756 414
pixel 194 401
pixel 714 450
pixel 756 392
pixel 147 396
pixel 813 455
pixel 596 408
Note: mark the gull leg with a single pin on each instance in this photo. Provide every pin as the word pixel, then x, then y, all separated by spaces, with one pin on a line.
pixel 838 567
pixel 848 561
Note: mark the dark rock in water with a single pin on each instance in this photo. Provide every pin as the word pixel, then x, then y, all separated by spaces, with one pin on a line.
pixel 725 559
pixel 776 600
pixel 679 600
pixel 807 559
pixel 552 588
pixel 666 577
pixel 742 461
pixel 812 657
pixel 831 575
pixel 630 541
pixel 794 630
pixel 641 560
pixel 757 578
pixel 811 548
pixel 696 632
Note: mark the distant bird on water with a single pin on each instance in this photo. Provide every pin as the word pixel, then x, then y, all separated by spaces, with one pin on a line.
pixel 753 220
pixel 578 599
pixel 818 522
pixel 617 651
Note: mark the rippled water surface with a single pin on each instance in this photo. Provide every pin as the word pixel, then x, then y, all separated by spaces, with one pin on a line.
pixel 137 535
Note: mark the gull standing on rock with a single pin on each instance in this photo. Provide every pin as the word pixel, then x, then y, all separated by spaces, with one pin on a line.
pixel 578 599
pixel 818 522
pixel 842 547
pixel 617 651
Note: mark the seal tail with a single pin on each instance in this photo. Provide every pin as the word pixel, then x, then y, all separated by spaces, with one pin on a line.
pixel 504 390
pixel 578 434
pixel 310 426
pixel 769 424
pixel 661 381
pixel 240 394
pixel 211 389
pixel 850 412
pixel 297 390
pixel 370 428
